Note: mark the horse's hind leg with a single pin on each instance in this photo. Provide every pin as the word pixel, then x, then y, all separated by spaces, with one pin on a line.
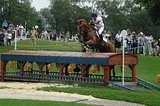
pixel 87 70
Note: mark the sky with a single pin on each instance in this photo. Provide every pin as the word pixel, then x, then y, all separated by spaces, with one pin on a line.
pixel 39 4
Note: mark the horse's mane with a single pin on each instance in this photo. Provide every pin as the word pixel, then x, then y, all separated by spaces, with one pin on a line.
pixel 83 25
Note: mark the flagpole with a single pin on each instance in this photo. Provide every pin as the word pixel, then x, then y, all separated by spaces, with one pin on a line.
pixel 123 34
pixel 15 40
pixel 123 63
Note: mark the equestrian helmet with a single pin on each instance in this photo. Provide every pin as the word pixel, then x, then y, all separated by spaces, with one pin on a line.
pixel 94 14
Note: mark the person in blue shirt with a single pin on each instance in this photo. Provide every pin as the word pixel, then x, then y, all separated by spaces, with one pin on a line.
pixel 5 25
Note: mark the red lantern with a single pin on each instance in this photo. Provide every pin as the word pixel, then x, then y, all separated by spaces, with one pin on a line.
pixel 121 68
pixel 49 67
pixel 93 69
pixel 70 68
pixel 11 65
pixel 30 66
pixel 158 78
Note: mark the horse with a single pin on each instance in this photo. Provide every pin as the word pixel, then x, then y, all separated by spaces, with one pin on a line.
pixel 88 38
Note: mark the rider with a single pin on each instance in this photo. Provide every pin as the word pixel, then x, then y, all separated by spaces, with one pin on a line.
pixel 97 21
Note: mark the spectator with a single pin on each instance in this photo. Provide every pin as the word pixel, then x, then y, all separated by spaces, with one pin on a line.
pixel 5 25
pixel 141 43
pixel 10 27
pixel 67 36
pixel 135 42
pixel 109 35
pixel 148 40
pixel 129 42
pixel 33 37
pixel 61 35
pixel 5 37
pixel 118 42
pixel 9 38
pixel 2 35
pixel 54 35
pixel 21 31
pixel 155 47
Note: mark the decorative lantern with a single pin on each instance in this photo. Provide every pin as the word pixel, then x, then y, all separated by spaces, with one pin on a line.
pixel 93 69
pixel 158 78
pixel 11 65
pixel 121 68
pixel 30 66
pixel 70 68
pixel 49 67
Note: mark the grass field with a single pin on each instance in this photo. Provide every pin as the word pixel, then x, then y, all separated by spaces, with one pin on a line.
pixel 148 68
pixel 14 102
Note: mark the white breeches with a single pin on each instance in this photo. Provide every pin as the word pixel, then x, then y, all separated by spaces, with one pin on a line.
pixel 100 30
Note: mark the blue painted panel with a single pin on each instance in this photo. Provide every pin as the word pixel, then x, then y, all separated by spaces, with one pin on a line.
pixel 56 59
pixel 83 60
pixel 26 58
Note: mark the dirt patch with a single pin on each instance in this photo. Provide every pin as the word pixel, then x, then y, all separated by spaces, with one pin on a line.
pixel 19 90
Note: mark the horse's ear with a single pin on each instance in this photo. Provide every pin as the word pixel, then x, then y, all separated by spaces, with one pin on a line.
pixel 80 21
pixel 83 20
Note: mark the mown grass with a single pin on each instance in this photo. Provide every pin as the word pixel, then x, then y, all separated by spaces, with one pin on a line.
pixel 14 102
pixel 146 97
pixel 147 69
pixel 50 45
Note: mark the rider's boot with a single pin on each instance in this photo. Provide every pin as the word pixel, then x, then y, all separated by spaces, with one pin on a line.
pixel 101 39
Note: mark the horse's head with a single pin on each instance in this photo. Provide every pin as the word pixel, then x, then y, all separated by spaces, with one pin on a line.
pixel 79 23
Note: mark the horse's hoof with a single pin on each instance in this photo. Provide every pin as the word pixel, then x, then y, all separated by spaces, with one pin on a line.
pixel 87 46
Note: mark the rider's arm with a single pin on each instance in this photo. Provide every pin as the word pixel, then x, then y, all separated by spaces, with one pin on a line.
pixel 98 25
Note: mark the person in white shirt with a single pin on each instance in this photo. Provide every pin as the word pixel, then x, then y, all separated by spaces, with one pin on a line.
pixel 97 21
pixel 118 42
pixel 148 40
pixel 21 31
pixel 9 38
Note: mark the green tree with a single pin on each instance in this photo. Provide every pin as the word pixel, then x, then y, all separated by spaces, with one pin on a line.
pixel 153 7
pixel 18 11
pixel 65 13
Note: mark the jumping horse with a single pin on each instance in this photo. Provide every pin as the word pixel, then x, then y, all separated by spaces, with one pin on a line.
pixel 89 39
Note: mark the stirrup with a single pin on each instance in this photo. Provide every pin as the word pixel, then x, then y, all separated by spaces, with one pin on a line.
pixel 102 42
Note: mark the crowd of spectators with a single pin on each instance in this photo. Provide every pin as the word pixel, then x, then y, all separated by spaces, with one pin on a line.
pixel 61 36
pixel 137 43
pixel 8 31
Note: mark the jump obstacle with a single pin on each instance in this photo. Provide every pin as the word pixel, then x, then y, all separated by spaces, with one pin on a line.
pixel 43 58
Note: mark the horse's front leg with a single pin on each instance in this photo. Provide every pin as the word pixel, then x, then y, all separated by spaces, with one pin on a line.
pixel 84 48
pixel 90 42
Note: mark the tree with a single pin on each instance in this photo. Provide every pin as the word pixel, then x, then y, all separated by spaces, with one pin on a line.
pixel 153 7
pixel 18 11
pixel 65 13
